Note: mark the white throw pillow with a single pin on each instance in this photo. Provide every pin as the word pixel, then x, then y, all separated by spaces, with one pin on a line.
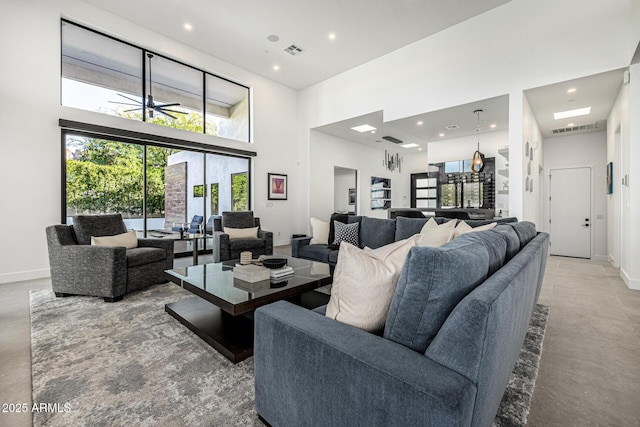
pixel 364 282
pixel 129 240
pixel 319 231
pixel 463 228
pixel 241 233
pixel 436 235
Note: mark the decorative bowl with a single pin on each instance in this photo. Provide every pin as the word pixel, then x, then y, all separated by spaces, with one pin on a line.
pixel 274 262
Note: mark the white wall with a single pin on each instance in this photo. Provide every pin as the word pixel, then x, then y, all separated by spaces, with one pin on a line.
pixel 30 109
pixel 463 148
pixel 587 150
pixel 328 151
pixel 520 45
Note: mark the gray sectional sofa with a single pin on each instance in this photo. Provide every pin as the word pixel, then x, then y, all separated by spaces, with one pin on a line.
pixel 374 233
pixel 453 333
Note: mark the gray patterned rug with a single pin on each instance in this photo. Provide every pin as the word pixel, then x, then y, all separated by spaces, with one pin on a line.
pixel 130 363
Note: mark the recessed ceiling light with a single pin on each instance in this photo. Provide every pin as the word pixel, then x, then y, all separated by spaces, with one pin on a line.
pixel 442 134
pixel 493 125
pixel 273 38
pixel 420 149
pixel 409 145
pixel 363 128
pixel 571 90
pixel 276 67
pixel 187 26
pixel 420 123
pixel 570 124
pixel 332 36
pixel 373 131
pixel 572 113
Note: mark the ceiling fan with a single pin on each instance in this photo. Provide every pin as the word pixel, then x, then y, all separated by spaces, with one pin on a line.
pixel 150 104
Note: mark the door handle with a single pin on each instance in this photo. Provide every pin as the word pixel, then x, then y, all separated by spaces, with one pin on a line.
pixel 585 225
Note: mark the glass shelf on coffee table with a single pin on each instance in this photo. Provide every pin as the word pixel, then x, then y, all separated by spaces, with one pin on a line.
pixel 221 313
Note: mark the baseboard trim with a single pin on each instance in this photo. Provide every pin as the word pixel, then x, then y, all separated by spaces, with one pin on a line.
pixel 21 276
pixel 631 283
pixel 601 257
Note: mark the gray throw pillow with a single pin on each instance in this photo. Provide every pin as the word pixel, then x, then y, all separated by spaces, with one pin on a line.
pixel 346 233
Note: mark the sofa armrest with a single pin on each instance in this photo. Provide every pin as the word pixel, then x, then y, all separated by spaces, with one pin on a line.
pixel 297 244
pixel 89 270
pixel 312 370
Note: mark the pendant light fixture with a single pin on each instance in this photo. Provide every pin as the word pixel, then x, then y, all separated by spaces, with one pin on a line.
pixel 477 162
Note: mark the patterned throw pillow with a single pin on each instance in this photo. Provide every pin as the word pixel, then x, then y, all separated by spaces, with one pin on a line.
pixel 346 233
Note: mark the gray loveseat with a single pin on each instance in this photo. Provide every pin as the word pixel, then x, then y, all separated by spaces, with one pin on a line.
pixel 454 330
pixel 373 232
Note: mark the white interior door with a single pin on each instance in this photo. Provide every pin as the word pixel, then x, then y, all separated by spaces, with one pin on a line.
pixel 570 212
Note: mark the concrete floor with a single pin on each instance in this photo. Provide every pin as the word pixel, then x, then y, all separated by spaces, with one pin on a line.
pixel 589 371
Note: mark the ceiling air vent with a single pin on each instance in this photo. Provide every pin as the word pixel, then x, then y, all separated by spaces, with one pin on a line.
pixel 392 139
pixel 562 131
pixel 451 127
pixel 294 50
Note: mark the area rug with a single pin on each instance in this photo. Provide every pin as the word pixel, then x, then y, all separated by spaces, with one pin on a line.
pixel 130 363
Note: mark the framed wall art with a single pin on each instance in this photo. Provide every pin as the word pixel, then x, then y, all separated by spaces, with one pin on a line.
pixel 277 186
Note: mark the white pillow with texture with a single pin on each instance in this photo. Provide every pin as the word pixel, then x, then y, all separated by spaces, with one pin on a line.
pixel 364 282
pixel 463 228
pixel 319 231
pixel 436 235
pixel 241 233
pixel 129 240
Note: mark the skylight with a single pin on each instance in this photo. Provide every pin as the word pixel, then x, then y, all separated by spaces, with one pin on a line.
pixel 363 128
pixel 572 113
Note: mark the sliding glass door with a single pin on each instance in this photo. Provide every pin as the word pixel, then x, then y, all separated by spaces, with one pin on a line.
pixel 155 188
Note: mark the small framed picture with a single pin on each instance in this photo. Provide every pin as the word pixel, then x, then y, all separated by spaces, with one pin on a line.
pixel 352 196
pixel 277 186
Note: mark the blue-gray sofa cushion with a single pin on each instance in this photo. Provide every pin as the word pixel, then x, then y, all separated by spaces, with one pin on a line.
pixel 525 230
pixel 431 284
pixel 407 227
pixel 513 242
pixel 377 232
pixel 315 252
pixel 494 243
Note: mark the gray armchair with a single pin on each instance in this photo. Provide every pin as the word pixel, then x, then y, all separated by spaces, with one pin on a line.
pixel 77 268
pixel 225 249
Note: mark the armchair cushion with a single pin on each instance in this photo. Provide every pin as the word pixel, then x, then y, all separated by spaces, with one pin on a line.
pixel 86 226
pixel 129 240
pixel 140 256
pixel 245 244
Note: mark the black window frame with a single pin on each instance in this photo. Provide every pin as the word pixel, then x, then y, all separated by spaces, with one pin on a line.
pixel 143 56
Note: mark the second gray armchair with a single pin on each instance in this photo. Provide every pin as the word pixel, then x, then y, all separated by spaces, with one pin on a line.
pixel 228 244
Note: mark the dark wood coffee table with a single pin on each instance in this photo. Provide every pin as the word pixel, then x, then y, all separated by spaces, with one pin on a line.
pixel 222 311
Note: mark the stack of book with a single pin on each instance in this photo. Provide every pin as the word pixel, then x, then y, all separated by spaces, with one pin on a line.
pixel 281 274
pixel 251 273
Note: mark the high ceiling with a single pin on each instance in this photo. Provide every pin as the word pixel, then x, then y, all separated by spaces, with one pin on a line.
pixel 237 30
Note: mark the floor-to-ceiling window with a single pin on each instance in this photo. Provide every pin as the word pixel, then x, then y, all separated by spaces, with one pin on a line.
pixel 154 187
